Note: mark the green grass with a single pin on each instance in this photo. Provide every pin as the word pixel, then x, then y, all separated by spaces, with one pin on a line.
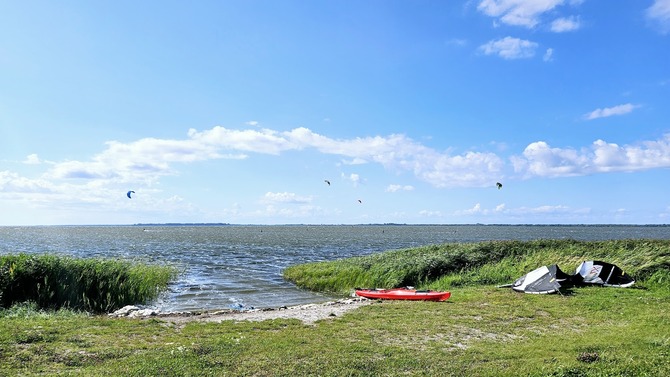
pixel 496 262
pixel 480 331
pixel 96 285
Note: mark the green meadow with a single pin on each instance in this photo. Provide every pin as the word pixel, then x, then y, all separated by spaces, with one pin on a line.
pixel 480 331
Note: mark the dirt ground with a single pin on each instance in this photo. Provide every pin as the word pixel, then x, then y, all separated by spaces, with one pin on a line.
pixel 306 313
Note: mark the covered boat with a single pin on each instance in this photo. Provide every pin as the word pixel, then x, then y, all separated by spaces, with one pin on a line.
pixel 403 294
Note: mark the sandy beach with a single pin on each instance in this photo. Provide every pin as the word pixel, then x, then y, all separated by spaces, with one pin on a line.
pixel 309 313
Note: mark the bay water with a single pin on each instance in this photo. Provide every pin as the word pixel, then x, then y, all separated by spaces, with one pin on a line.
pixel 240 266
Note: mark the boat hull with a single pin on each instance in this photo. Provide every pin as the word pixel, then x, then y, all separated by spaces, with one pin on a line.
pixel 403 294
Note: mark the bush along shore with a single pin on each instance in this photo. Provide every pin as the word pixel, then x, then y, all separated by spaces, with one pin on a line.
pixel 480 331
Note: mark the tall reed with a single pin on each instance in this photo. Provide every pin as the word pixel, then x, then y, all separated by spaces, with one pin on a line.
pixel 94 285
pixel 491 262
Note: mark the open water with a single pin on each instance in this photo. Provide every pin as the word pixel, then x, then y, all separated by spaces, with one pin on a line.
pixel 241 266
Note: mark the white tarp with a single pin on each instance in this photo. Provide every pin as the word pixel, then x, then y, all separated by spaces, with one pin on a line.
pixel 539 281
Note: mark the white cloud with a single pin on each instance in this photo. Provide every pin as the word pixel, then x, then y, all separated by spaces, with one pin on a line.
pixel 564 24
pixel 510 48
pixel 610 111
pixel 427 213
pixel 471 169
pixel 259 141
pixel 524 13
pixel 355 161
pixel 252 123
pixel 32 160
pixel 396 188
pixel 13 183
pixel 101 182
pixel 539 159
pixel 548 55
pixel 145 161
pixel 659 15
pixel 285 197
pixel 477 209
pixel 353 177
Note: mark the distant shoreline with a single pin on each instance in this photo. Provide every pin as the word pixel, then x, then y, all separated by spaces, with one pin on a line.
pixel 391 224
pixel 180 224
pixel 334 225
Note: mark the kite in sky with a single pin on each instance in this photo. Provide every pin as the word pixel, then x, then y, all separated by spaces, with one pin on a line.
pixel 128 194
pixel 327 181
pixel 499 185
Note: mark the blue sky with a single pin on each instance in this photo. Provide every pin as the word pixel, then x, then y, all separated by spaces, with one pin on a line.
pixel 238 111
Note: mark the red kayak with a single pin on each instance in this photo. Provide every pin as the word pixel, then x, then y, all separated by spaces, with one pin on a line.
pixel 403 294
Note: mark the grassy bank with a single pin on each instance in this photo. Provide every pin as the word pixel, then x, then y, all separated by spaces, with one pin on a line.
pixel 496 262
pixel 94 285
pixel 480 331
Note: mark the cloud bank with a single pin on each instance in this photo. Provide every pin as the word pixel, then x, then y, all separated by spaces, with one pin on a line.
pixel 539 159
pixel 146 161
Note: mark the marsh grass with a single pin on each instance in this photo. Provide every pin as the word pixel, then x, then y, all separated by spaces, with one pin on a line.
pixel 495 262
pixel 480 331
pixel 95 285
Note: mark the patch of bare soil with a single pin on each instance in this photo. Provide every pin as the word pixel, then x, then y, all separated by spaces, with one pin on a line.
pixel 307 313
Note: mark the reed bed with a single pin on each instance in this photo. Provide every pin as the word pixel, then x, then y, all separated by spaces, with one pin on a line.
pixel 92 285
pixel 494 262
